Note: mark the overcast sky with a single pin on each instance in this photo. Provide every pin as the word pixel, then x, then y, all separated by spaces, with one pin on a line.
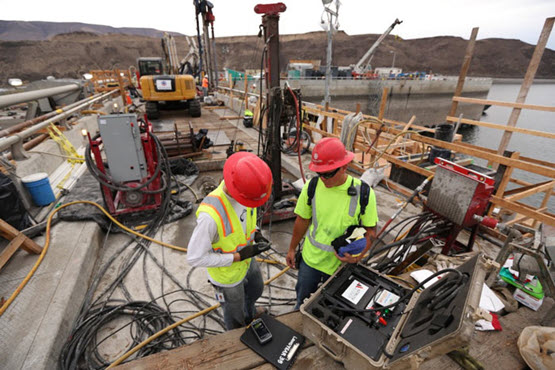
pixel 514 19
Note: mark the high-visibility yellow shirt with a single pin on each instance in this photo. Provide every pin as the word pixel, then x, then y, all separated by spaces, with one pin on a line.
pixel 331 213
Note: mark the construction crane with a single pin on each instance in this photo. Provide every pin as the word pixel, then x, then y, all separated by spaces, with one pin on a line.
pixel 363 65
pixel 206 42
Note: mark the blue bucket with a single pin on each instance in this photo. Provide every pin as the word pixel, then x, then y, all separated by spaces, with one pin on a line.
pixel 39 187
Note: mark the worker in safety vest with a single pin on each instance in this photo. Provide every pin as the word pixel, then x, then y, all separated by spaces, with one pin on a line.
pixel 205 85
pixel 225 238
pixel 335 206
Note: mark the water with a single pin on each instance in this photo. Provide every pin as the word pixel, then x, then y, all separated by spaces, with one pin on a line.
pixel 528 146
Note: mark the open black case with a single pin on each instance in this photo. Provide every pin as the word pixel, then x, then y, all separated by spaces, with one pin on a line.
pixel 429 324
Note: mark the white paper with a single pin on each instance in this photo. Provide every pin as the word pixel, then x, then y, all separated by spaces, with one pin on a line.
pixel 489 300
pixel 355 292
pixel 164 85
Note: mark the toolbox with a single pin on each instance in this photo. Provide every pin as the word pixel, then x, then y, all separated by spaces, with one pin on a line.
pixel 416 328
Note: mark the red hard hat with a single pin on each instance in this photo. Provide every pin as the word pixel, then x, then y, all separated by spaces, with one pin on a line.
pixel 248 179
pixel 329 154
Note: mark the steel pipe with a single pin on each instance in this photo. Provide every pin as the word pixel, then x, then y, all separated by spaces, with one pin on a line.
pixel 12 99
pixel 31 122
pixel 7 142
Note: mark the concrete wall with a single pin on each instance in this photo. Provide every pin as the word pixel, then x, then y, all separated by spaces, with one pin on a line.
pixel 428 100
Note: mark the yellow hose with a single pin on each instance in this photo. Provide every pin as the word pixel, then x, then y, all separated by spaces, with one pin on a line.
pixel 156 335
pixel 47 243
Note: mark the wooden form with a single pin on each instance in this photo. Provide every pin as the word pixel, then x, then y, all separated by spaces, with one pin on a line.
pixel 464 69
pixel 18 240
pixel 509 199
pixel 387 131
pixel 528 79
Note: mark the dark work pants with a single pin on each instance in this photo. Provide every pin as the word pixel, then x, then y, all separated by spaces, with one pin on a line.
pixel 307 282
pixel 239 309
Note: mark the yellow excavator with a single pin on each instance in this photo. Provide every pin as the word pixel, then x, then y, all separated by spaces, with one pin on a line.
pixel 166 90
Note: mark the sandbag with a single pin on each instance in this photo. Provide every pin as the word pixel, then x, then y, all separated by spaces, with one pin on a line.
pixel 537 347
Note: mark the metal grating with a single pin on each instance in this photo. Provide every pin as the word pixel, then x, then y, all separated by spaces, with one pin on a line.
pixel 451 194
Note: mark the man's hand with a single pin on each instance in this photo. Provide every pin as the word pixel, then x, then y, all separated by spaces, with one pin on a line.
pixel 348 258
pixel 291 258
pixel 253 250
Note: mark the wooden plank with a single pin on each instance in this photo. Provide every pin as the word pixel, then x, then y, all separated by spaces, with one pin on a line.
pixel 381 113
pixel 406 128
pixel 9 232
pixel 224 351
pixel 544 108
pixel 458 147
pixel 523 193
pixel 334 115
pixel 477 152
pixel 11 249
pixel 246 89
pixel 504 181
pixel 401 163
pixel 522 158
pixel 230 117
pixel 496 126
pixel 527 83
pixel 310 358
pixel 519 219
pixel 524 210
pixel 464 69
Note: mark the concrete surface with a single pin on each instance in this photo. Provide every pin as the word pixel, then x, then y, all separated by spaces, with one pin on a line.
pixel 36 326
pixel 33 328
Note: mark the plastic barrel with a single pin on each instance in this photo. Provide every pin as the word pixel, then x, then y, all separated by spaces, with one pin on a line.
pixel 39 187
pixel 438 152
pixel 444 132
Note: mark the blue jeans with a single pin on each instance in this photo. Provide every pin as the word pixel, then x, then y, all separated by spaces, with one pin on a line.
pixel 307 282
pixel 239 302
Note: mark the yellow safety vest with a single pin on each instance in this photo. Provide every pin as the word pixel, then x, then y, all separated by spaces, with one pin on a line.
pixel 231 236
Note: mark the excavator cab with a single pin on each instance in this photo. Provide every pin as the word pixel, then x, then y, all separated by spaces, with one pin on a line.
pixel 150 66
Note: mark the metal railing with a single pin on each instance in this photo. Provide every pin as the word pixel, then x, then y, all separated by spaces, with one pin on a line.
pixel 15 141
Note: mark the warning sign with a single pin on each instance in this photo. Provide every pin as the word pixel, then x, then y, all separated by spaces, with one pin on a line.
pixel 355 292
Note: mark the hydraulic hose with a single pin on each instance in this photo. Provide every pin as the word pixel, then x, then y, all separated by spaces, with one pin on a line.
pixel 298 139
pixel 47 243
pixel 173 326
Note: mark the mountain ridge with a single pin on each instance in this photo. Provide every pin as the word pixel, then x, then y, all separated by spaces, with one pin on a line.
pixel 72 54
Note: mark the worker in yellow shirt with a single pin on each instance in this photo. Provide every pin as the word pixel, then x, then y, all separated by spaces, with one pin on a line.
pixel 334 206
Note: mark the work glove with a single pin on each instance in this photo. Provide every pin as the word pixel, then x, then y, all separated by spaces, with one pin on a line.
pixel 259 238
pixel 253 250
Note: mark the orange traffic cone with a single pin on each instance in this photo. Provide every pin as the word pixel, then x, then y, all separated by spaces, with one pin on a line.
pixel 128 99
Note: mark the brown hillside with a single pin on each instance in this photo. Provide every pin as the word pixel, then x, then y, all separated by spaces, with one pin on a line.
pixel 71 55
